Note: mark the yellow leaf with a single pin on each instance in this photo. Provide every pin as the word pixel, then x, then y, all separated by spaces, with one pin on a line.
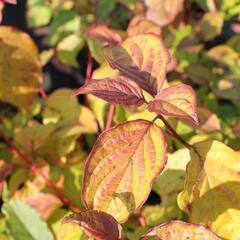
pixel 212 189
pixel 20 68
pixel 175 230
pixel 122 166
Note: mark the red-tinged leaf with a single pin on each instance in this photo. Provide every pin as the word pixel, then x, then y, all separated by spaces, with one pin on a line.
pixel 97 225
pixel 116 90
pixel 175 230
pixel 44 203
pixel 163 12
pixel 9 1
pixel 140 25
pixel 122 167
pixel 104 34
pixel 177 101
pixel 143 58
pixel 208 121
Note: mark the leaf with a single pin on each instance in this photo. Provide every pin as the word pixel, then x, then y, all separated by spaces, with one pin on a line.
pixel 140 25
pixel 68 49
pixel 212 188
pixel 96 224
pixel 145 64
pixel 199 74
pixel 105 34
pixel 177 101
pixel 9 1
pixel 38 14
pixel 20 68
pixel 208 121
pixel 163 12
pixel 24 223
pixel 122 166
pixel 64 231
pixel 62 107
pixel 116 90
pixel 211 25
pixel 179 230
pixel 236 129
pixel 44 203
pixel 228 88
pixel 31 137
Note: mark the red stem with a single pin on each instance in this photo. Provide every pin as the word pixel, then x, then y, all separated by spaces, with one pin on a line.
pixel 174 133
pixel 42 93
pixel 178 137
pixel 110 116
pixel 89 68
pixel 38 172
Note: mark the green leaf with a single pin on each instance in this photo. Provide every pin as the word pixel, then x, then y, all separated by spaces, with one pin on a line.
pixel 68 49
pixel 24 223
pixel 64 231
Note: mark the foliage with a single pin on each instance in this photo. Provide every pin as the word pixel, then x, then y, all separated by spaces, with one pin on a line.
pixel 147 147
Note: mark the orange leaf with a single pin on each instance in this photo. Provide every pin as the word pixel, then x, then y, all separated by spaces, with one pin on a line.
pixel 105 34
pixel 140 25
pixel 163 12
pixel 122 167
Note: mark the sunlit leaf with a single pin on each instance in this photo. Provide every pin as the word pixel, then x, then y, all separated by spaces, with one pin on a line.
pixel 179 230
pixel 122 166
pixel 104 71
pixel 24 223
pixel 177 101
pixel 163 12
pixel 223 54
pixel 96 224
pixel 212 188
pixel 140 25
pixel 116 90
pixel 44 203
pixel 38 13
pixel 104 34
pixel 208 121
pixel 145 64
pixel 68 49
pixel 20 68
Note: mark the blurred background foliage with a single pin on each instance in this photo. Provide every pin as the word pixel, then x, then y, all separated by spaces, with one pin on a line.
pixel 57 131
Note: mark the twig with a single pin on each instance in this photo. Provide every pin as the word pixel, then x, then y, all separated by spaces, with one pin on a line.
pixel 174 133
pixel 95 11
pixel 178 137
pixel 110 116
pixel 89 68
pixel 42 93
pixel 38 172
